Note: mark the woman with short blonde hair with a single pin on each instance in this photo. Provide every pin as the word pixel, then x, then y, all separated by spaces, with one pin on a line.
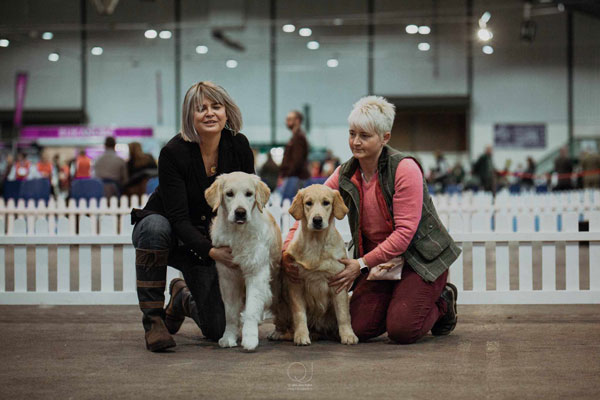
pixel 393 221
pixel 173 228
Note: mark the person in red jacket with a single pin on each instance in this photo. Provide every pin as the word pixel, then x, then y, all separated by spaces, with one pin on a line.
pixel 83 166
pixel 44 167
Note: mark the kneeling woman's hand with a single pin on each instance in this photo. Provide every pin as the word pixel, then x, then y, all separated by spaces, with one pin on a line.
pixel 344 279
pixel 291 268
pixel 223 255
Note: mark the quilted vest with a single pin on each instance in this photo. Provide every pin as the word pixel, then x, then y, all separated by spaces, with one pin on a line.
pixel 432 250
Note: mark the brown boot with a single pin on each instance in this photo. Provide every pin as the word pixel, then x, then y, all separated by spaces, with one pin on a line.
pixel 151 271
pixel 174 313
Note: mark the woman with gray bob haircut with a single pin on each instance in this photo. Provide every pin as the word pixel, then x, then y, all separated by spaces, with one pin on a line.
pixel 393 223
pixel 194 99
pixel 173 227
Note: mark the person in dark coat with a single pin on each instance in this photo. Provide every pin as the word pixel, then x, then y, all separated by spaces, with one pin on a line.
pixel 269 172
pixel 485 171
pixel 173 228
pixel 563 166
pixel 140 168
pixel 527 180
pixel 293 170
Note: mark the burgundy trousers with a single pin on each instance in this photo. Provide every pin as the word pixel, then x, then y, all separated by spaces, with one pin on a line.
pixel 407 309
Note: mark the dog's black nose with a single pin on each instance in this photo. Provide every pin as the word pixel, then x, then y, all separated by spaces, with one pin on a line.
pixel 317 221
pixel 240 213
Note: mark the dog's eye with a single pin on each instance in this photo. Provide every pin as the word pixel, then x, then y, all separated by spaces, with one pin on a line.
pixel 249 194
pixel 309 203
pixel 229 193
pixel 326 203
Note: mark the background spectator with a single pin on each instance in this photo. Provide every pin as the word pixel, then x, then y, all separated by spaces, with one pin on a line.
pixel 528 174
pixel 8 165
pixel 111 169
pixel 457 174
pixel 484 170
pixel 269 172
pixel 44 166
pixel 590 167
pixel 439 173
pixel 563 166
pixel 140 167
pixel 315 169
pixel 21 168
pixel 83 166
pixel 295 155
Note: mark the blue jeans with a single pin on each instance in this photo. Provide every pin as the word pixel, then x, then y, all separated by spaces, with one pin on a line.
pixel 154 233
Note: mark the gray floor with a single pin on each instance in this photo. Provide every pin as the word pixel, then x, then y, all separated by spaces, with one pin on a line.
pixel 497 352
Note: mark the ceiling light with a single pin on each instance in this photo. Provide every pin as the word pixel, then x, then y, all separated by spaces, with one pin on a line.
pixel 488 49
pixel 305 32
pixel 53 57
pixel 412 29
pixel 4 42
pixel 312 45
pixel 47 35
pixel 332 63
pixel 97 51
pixel 424 30
pixel 201 49
pixel 485 18
pixel 424 46
pixel 338 21
pixel 150 34
pixel 165 34
pixel 484 34
pixel 231 64
pixel 288 28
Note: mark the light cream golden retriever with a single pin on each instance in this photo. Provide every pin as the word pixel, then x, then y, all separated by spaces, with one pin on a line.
pixel 312 307
pixel 243 224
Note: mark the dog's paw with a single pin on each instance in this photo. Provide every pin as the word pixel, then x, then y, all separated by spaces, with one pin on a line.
pixel 250 343
pixel 349 338
pixel 228 341
pixel 301 339
pixel 276 335
pixel 281 336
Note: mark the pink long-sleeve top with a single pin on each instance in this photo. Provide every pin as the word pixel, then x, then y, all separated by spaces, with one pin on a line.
pixel 381 242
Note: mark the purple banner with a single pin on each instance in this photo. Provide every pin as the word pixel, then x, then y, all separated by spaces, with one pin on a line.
pixel 45 132
pixel 520 136
pixel 20 87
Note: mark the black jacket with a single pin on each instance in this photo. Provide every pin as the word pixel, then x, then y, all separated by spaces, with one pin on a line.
pixel 182 181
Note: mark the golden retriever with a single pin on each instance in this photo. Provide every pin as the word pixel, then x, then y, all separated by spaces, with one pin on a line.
pixel 312 307
pixel 243 224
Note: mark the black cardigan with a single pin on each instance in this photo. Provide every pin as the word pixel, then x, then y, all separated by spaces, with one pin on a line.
pixel 182 182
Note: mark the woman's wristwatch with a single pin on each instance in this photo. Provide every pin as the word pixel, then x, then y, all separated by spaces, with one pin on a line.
pixel 364 269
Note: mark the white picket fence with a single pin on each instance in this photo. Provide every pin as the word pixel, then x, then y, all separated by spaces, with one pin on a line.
pixel 581 201
pixel 72 210
pixel 479 235
pixel 44 229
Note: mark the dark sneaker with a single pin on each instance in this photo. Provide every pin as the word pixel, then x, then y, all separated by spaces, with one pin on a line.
pixel 447 322
pixel 174 315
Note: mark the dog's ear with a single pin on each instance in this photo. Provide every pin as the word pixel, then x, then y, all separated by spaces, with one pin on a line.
pixel 296 210
pixel 262 194
pixel 213 194
pixel 339 208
